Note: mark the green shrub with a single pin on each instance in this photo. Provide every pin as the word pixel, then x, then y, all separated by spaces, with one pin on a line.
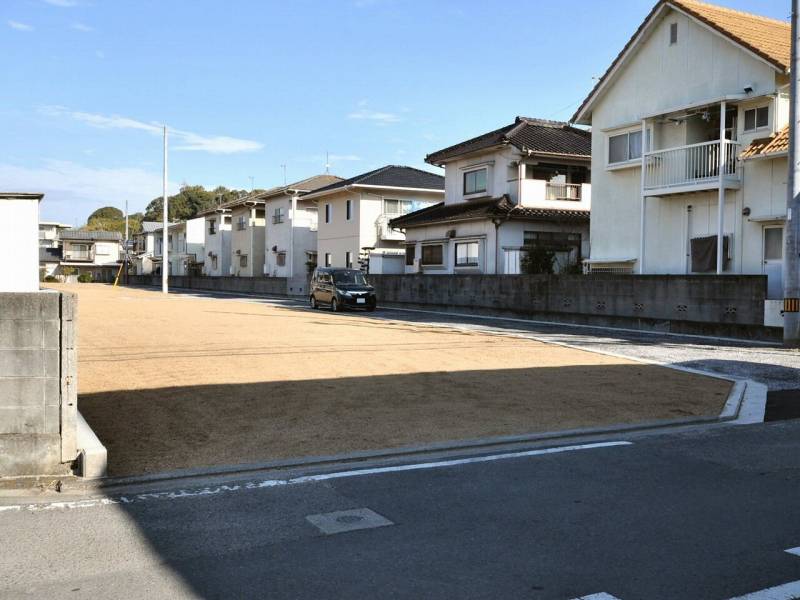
pixel 85 278
pixel 51 279
pixel 67 271
pixel 538 261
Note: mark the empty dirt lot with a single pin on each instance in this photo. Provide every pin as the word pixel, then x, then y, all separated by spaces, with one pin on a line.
pixel 170 382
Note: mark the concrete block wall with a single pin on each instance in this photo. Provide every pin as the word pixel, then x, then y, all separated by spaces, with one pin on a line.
pixel 273 286
pixel 727 305
pixel 38 400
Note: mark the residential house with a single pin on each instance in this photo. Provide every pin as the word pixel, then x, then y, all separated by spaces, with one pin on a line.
pixel 144 246
pixel 354 215
pixel 185 246
pixel 217 245
pixel 94 252
pixel 247 236
pixel 291 230
pixel 49 233
pixel 49 261
pixel 689 159
pixel 525 185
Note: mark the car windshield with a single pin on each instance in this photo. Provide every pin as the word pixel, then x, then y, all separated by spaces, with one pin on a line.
pixel 349 278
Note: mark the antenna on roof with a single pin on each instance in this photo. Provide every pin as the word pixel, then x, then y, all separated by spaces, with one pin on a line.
pixel 327 163
pixel 252 179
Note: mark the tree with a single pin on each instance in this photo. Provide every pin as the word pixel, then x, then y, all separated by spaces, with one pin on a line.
pixel 107 212
pixel 538 261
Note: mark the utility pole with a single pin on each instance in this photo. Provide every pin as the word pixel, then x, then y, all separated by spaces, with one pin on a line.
pixel 165 230
pixel 127 248
pixel 327 163
pixel 791 260
pixel 252 179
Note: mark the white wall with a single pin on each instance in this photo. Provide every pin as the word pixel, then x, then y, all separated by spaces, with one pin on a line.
pixel 218 244
pixel 295 237
pixel 19 244
pixel 661 78
pixel 498 175
pixel 249 241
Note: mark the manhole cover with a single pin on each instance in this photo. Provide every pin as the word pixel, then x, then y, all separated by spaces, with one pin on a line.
pixel 347 520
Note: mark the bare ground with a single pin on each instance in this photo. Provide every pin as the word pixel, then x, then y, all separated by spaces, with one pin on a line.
pixel 175 382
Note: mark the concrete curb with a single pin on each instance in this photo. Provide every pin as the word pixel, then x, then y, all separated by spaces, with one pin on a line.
pixel 93 455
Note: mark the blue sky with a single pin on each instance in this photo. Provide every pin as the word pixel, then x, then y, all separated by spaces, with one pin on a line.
pixel 248 86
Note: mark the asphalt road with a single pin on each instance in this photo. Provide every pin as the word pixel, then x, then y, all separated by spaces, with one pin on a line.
pixel 700 515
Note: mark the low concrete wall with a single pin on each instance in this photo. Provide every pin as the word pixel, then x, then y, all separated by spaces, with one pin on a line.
pixel 274 286
pixel 728 305
pixel 38 383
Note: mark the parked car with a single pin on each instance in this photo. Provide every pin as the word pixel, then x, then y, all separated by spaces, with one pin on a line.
pixel 340 289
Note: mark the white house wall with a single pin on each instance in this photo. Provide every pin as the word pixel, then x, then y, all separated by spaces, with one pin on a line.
pixel 660 78
pixel 19 244
pixel 498 175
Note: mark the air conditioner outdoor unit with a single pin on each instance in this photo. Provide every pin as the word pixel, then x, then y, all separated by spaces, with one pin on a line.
pixel 451 233
pixel 238 252
pixel 417 267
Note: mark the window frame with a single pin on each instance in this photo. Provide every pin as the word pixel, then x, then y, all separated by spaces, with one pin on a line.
pixel 328 259
pixel 243 261
pixel 348 210
pixel 348 259
pixel 241 223
pixel 412 255
pixel 467 265
pixel 755 110
pixel 673 34
pixel 328 213
pixel 476 191
pixel 212 227
pixel 646 144
pixel 423 261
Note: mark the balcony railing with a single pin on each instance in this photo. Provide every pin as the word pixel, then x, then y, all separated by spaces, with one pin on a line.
pixel 563 191
pixel 687 166
pixel 76 255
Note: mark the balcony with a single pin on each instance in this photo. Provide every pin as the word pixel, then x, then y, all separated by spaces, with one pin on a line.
pixel 386 233
pixel 690 168
pixel 538 193
pixel 563 191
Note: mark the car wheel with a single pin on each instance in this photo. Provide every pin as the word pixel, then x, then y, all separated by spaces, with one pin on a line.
pixel 335 305
pixel 313 301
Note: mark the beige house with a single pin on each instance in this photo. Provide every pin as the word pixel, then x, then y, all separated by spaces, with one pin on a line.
pixel 247 236
pixel 685 176
pixel 525 185
pixel 94 252
pixel 354 214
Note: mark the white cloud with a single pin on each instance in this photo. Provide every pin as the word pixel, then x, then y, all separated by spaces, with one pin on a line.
pixel 73 190
pixel 20 26
pixel 82 27
pixel 186 140
pixel 381 118
pixel 62 3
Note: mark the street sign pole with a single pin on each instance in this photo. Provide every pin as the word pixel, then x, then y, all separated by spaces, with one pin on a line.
pixel 791 261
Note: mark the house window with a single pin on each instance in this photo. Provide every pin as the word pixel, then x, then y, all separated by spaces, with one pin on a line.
pixel 327 213
pixel 433 254
pixel 396 207
pixel 281 259
pixel 241 224
pixel 212 227
pixel 475 181
pixel 411 254
pixel 243 260
pixel 327 259
pixel 467 254
pixel 756 118
pixel 349 209
pixel 348 260
pixel 625 147
pixel 673 34
pixel 277 216
pixel 214 263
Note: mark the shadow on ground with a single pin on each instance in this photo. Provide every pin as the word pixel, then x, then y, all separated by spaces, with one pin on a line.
pixel 155 430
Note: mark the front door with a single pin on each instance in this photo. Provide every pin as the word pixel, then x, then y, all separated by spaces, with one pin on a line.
pixel 773 261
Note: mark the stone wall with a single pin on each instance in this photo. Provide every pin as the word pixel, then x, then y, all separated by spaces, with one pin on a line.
pixel 727 305
pixel 38 383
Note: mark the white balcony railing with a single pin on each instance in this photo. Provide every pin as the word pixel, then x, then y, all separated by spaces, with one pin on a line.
pixel 563 191
pixel 687 166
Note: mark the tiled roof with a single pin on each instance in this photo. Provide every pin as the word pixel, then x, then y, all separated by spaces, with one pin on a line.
pixel 527 134
pixel 768 38
pixel 391 176
pixel 49 255
pixel 486 209
pixel 775 144
pixel 80 234
pixel 151 226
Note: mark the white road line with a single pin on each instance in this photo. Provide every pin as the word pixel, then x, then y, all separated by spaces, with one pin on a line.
pixel 600 596
pixel 787 591
pixel 267 483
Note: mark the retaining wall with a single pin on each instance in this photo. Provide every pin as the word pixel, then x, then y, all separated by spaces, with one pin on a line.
pixel 273 286
pixel 727 305
pixel 38 383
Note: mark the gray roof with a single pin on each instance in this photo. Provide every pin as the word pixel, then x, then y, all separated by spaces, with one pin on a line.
pixel 151 226
pixel 80 234
pixel 391 176
pixel 487 208
pixel 49 255
pixel 529 135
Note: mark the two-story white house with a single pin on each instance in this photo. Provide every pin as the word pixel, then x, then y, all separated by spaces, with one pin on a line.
pixel 94 252
pixel 217 248
pixel 144 247
pixel 354 214
pixel 689 160
pixel 522 186
pixel 185 247
pixel 49 233
pixel 291 229
pixel 247 236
